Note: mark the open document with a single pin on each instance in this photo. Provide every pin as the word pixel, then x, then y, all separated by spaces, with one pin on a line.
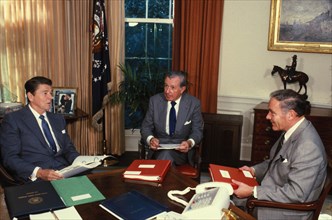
pixel 168 146
pixel 83 163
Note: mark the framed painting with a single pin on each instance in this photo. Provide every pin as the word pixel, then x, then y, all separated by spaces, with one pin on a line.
pixel 64 100
pixel 303 26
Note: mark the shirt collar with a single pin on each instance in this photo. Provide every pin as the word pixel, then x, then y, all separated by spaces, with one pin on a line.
pixel 292 129
pixel 35 113
pixel 177 101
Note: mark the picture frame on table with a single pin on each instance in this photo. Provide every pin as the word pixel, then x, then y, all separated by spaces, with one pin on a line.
pixel 64 100
pixel 300 26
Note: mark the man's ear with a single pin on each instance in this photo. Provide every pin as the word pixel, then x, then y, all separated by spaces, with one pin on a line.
pixel 291 114
pixel 183 89
pixel 29 96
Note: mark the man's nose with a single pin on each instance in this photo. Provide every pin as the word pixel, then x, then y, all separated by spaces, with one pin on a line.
pixel 268 116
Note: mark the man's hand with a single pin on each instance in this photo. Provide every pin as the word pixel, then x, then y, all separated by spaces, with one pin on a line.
pixel 154 143
pixel 250 169
pixel 243 190
pixel 184 147
pixel 46 174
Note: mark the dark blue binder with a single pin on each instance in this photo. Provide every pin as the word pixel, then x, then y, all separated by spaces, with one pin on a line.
pixel 31 198
pixel 133 205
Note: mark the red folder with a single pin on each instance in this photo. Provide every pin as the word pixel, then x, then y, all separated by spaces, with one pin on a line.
pixel 226 174
pixel 147 170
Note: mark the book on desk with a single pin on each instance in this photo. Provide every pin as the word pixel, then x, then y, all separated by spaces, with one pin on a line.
pixel 43 196
pixel 226 174
pixel 31 198
pixel 133 205
pixel 77 190
pixel 147 171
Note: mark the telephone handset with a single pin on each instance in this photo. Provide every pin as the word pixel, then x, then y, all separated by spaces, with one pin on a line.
pixel 207 203
pixel 205 186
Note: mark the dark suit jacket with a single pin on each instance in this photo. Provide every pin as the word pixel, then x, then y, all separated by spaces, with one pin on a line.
pixel 23 146
pixel 189 123
pixel 297 178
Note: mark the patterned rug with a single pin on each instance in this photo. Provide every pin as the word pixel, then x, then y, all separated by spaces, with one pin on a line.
pixel 327 209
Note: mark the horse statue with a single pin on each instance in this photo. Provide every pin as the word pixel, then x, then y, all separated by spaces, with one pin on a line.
pixel 296 76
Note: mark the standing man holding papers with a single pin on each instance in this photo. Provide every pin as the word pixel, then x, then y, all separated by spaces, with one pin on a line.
pixel 33 141
pixel 296 170
pixel 174 117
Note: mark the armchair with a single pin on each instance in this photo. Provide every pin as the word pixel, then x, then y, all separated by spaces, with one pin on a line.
pixel 315 206
pixel 6 179
pixel 192 171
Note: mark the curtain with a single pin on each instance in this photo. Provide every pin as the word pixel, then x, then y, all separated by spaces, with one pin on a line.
pixel 115 114
pixel 53 39
pixel 196 47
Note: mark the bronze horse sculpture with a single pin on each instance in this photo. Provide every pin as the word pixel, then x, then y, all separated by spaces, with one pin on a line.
pixel 296 76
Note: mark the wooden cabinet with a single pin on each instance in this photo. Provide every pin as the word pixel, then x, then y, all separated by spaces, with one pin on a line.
pixel 264 137
pixel 221 139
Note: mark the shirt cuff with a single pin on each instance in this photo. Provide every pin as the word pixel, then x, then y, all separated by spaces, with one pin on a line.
pixel 33 176
pixel 149 139
pixel 192 142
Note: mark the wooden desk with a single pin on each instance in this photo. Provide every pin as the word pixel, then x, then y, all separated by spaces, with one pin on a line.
pixel 111 184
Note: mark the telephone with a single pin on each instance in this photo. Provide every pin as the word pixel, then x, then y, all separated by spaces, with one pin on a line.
pixel 207 203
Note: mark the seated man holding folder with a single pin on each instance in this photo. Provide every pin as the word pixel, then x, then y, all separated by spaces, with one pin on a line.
pixel 174 117
pixel 296 170
pixel 33 141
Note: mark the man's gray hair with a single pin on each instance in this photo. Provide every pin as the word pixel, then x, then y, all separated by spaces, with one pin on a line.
pixel 291 100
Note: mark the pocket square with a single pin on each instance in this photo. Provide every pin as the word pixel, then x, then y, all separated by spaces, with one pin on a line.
pixel 187 122
pixel 63 131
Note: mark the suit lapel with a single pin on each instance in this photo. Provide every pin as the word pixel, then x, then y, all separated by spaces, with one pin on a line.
pixel 56 130
pixel 289 143
pixel 183 111
pixel 163 111
pixel 30 122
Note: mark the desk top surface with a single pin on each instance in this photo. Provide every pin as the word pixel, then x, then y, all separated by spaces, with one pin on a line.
pixel 111 184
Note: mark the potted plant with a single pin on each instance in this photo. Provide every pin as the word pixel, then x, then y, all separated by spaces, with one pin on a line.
pixel 135 91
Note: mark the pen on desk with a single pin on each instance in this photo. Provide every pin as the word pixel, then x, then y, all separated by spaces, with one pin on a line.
pixel 55 217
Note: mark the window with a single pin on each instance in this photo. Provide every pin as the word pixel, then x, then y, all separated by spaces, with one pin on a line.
pixel 149 28
pixel 148 52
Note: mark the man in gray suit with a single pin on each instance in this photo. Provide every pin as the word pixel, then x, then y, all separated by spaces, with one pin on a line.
pixel 157 125
pixel 26 149
pixel 295 173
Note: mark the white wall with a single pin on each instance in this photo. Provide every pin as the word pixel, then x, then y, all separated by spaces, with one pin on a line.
pixel 246 64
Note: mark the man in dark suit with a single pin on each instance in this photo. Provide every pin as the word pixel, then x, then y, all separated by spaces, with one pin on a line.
pixel 296 170
pixel 157 125
pixel 27 150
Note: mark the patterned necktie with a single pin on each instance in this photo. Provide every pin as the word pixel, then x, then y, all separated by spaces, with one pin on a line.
pixel 172 119
pixel 47 133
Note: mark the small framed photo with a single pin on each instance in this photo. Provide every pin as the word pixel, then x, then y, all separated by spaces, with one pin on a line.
pixel 64 100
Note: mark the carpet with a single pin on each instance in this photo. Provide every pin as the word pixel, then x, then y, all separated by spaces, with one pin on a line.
pixel 326 212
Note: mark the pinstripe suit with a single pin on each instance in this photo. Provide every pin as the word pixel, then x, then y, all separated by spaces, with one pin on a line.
pixel 23 146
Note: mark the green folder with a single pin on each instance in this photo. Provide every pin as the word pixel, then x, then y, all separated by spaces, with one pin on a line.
pixel 77 190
